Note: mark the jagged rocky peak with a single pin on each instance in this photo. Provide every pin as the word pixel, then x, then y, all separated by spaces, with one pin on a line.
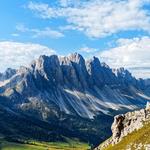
pixel 64 60
pixel 119 72
pixel 48 67
pixel 71 59
pixel 72 70
pixel 23 69
pixel 103 64
pixel 7 74
pixel 122 72
pixel 66 70
pixel 107 75
pixel 94 69
pixel 74 67
pixel 124 76
pixel 74 85
pixel 76 58
pixel 45 62
pixel 54 60
pixel 92 63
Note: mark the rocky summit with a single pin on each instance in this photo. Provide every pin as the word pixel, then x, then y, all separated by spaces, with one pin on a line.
pixel 72 90
pixel 73 86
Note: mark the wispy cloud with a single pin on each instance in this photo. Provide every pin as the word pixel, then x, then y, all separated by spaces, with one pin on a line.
pixel 130 53
pixel 66 3
pixel 47 32
pixel 141 73
pixel 15 34
pixel 14 54
pixel 97 18
pixel 88 49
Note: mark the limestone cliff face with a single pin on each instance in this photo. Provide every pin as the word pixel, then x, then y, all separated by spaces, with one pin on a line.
pixel 125 124
pixel 73 86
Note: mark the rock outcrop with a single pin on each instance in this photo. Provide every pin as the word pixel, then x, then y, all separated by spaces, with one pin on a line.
pixel 125 124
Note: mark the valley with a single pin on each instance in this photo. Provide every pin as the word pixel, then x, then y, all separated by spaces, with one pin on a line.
pixel 66 97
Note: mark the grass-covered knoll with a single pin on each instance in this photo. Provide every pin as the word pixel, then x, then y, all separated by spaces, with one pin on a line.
pixel 137 139
pixel 32 145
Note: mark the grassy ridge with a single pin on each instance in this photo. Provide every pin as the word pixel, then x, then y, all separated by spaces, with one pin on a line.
pixel 32 145
pixel 136 139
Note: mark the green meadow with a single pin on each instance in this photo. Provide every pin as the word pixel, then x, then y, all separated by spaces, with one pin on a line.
pixel 32 145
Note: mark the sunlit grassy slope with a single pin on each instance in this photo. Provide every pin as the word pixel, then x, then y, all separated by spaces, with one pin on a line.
pixel 70 145
pixel 137 139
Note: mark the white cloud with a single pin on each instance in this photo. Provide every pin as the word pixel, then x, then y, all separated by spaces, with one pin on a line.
pixel 22 28
pixel 141 72
pixel 88 49
pixel 47 32
pixel 97 18
pixel 14 54
pixel 66 3
pixel 130 53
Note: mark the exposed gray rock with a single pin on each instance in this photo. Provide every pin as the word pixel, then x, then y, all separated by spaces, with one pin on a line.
pixel 100 74
pixel 117 127
pixel 7 74
pixel 125 77
pixel 73 86
pixel 125 124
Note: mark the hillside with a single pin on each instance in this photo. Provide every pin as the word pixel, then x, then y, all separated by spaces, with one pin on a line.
pixel 16 125
pixel 134 135
pixel 136 140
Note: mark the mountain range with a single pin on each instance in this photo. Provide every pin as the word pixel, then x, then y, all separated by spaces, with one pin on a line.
pixel 68 97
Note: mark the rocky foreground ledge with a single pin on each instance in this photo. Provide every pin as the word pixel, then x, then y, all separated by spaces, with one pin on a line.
pixel 125 124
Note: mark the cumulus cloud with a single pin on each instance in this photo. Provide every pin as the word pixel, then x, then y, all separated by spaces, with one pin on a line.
pixel 97 18
pixel 130 53
pixel 14 54
pixel 47 32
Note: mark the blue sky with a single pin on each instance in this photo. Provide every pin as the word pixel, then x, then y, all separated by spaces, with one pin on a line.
pixel 117 31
